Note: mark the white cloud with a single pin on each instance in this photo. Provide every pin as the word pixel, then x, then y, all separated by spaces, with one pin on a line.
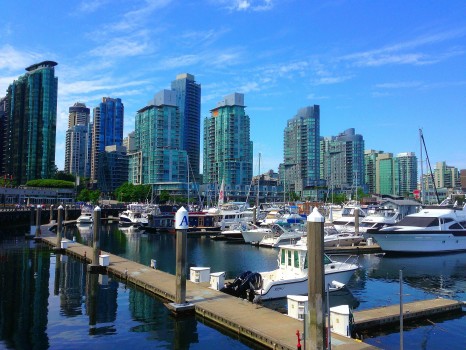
pixel 393 54
pixel 399 85
pixel 331 80
pixel 244 5
pixel 12 59
pixel 132 45
pixel 90 6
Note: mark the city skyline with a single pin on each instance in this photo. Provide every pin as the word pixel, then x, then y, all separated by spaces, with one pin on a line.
pixel 385 70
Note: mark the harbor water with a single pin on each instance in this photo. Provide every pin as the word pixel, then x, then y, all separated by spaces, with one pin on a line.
pixel 48 301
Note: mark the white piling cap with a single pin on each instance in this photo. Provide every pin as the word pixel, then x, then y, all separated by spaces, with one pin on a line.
pixel 181 219
pixel 315 216
pixel 97 208
pixel 60 207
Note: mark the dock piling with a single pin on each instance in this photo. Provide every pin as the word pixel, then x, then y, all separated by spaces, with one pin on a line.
pixel 59 226
pixel 316 281
pixel 38 219
pixel 51 213
pixel 181 226
pixel 95 266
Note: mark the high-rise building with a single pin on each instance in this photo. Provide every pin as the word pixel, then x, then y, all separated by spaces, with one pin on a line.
pixel 301 149
pixel 31 122
pixel 158 157
pixel 228 149
pixel 107 130
pixel 76 150
pixel 113 169
pixel 188 100
pixel 446 176
pixel 77 154
pixel 342 159
pixel 3 127
pixel 78 114
pixel 385 174
pixel 405 173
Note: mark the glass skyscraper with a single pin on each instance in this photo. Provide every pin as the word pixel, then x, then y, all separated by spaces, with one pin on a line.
pixel 301 149
pixel 77 154
pixel 107 130
pixel 405 173
pixel 343 160
pixel 31 121
pixel 188 100
pixel 228 149
pixel 157 138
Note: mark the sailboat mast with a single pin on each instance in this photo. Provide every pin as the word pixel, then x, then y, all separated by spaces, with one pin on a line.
pixel 258 183
pixel 430 168
pixel 422 168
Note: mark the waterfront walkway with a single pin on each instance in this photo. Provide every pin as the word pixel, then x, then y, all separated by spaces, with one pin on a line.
pixel 262 325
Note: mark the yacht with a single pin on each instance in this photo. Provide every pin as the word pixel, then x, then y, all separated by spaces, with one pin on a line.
pixel 86 217
pixel 255 234
pixel 345 223
pixel 283 233
pixel 135 214
pixel 435 229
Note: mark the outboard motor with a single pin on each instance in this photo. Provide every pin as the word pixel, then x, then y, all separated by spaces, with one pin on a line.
pixel 232 288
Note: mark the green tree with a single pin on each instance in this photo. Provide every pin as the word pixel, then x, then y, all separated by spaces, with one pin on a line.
pixel 61 175
pixel 164 196
pixel 51 183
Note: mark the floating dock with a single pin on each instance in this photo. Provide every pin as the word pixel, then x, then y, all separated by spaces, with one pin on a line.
pixel 250 321
pixel 414 310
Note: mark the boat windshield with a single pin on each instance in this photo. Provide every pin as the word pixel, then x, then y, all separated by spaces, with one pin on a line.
pixel 417 221
pixel 327 261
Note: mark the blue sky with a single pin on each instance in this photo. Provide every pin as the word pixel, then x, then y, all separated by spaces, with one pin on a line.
pixel 385 68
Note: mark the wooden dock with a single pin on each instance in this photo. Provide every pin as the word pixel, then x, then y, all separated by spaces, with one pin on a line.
pixel 249 321
pixel 359 249
pixel 414 310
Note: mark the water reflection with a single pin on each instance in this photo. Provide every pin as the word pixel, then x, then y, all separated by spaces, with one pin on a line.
pixel 85 310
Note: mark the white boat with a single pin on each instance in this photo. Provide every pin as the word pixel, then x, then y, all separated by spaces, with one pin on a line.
pixel 435 229
pixel 86 216
pixel 135 214
pixel 378 219
pixel 271 217
pixel 334 238
pixel 345 223
pixel 255 233
pixel 232 213
pixel 283 234
pixel 291 276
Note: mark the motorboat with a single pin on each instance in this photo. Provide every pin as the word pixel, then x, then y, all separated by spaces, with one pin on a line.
pixel 255 234
pixel 135 214
pixel 283 233
pixel 231 214
pixel 291 276
pixel 434 229
pixel 346 222
pixel 86 216
pixel 334 238
pixel 378 219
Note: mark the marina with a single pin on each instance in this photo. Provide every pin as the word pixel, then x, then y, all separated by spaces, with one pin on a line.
pixel 141 248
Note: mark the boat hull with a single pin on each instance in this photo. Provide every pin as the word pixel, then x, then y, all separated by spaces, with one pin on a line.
pixel 299 286
pixel 420 242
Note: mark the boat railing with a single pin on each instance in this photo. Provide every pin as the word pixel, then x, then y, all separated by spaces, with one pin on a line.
pixel 344 258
